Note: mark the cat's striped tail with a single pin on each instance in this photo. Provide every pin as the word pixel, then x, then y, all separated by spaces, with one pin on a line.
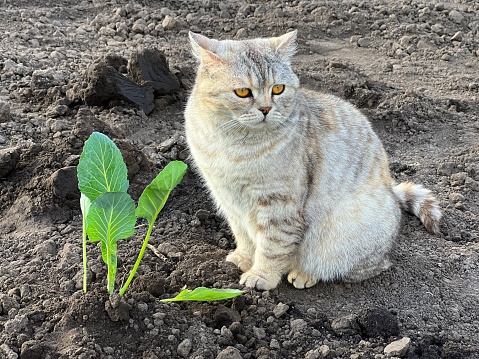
pixel 421 202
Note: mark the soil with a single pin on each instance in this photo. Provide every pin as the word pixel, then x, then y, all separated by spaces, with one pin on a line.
pixel 410 65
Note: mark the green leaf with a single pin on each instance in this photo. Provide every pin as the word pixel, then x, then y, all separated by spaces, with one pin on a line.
pixel 111 217
pixel 203 294
pixel 156 193
pixel 101 167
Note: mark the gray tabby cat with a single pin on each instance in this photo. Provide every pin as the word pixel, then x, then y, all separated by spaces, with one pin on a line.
pixel 301 177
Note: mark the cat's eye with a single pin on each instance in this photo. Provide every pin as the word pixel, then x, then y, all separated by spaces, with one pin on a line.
pixel 243 92
pixel 277 89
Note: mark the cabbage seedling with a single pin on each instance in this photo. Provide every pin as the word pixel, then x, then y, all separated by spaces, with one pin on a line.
pixel 109 212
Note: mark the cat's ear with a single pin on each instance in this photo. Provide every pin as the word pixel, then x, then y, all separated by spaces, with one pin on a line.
pixel 286 44
pixel 205 49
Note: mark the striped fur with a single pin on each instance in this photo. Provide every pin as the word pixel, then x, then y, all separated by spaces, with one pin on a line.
pixel 421 202
pixel 306 189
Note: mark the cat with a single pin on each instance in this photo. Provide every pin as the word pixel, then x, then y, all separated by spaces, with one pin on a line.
pixel 301 177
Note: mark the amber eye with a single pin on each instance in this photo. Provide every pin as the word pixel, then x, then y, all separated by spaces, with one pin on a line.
pixel 277 89
pixel 244 92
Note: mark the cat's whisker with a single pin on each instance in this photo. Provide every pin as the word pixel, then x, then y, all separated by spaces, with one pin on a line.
pixel 230 126
pixel 230 129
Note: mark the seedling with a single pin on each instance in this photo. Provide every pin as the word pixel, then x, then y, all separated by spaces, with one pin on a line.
pixel 109 212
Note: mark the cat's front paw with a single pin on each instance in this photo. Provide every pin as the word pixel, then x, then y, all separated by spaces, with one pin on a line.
pixel 300 279
pixel 259 281
pixel 240 259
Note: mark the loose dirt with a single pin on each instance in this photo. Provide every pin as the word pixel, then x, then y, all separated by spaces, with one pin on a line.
pixel 411 66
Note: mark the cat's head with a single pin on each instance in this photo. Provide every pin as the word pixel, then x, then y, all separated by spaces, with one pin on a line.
pixel 249 82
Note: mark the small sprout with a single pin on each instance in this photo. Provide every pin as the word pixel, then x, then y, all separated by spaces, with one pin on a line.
pixel 203 294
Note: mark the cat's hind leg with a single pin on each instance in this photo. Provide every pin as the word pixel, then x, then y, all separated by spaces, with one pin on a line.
pixel 367 269
pixel 351 240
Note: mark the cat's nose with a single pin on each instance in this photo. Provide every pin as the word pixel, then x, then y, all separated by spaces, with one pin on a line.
pixel 265 110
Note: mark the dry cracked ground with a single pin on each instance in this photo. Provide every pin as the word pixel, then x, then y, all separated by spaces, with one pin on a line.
pixel 410 65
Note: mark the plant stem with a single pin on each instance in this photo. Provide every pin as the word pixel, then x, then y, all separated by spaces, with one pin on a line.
pixel 111 268
pixel 85 273
pixel 110 279
pixel 138 260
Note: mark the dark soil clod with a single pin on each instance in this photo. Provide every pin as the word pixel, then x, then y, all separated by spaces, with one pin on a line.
pixel 378 322
pixel 105 84
pixel 150 65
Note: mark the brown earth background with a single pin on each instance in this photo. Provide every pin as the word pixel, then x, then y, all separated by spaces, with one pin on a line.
pixel 411 66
